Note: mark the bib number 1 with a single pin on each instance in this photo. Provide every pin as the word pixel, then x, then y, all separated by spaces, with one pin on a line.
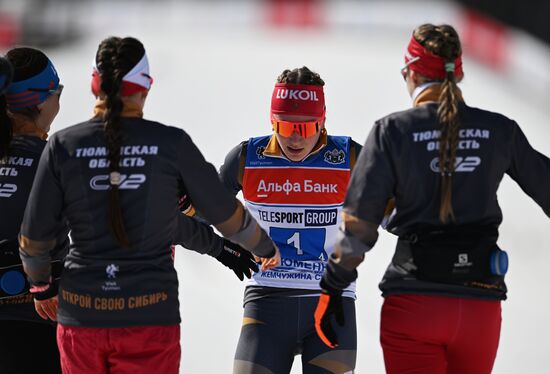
pixel 294 241
pixel 300 244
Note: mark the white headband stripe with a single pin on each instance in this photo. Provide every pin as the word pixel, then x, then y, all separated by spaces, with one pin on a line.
pixel 138 75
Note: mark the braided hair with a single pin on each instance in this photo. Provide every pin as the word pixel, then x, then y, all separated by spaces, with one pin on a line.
pixel 443 41
pixel 115 57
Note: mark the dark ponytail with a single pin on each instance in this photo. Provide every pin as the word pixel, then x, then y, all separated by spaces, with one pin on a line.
pixel 443 41
pixel 116 57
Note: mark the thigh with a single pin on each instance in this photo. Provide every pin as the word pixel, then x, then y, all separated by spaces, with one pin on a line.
pixel 82 349
pixel 474 347
pixel 413 334
pixel 317 357
pixel 145 350
pixel 17 337
pixel 268 337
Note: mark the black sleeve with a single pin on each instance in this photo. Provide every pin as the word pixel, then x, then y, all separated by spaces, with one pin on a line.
pixel 231 168
pixel 43 223
pixel 215 203
pixel 372 180
pixel 530 169
pixel 43 219
pixel 197 236
pixel 195 233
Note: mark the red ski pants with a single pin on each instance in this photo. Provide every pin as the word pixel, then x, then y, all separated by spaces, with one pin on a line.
pixel 439 335
pixel 135 350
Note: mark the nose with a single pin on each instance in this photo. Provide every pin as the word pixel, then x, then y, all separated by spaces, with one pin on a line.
pixel 296 137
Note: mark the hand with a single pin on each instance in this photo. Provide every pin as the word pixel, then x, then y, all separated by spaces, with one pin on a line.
pixel 45 300
pixel 47 309
pixel 269 263
pixel 237 259
pixel 330 303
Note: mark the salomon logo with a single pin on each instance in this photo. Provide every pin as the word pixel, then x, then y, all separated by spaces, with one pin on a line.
pixel 127 182
pixel 467 164
pixel 7 189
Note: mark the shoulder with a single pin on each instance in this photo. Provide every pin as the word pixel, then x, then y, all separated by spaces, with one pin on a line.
pixel 239 150
pixel 338 140
pixel 28 144
pixel 71 135
pixel 486 116
pixel 257 141
pixel 158 126
pixel 343 142
pixel 336 143
pixel 405 118
pixel 78 129
pixel 159 130
pixel 253 148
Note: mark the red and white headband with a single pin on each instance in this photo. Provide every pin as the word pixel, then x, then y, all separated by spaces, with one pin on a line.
pixel 136 80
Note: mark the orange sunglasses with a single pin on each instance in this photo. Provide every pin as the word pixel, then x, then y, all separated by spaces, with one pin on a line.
pixel 304 129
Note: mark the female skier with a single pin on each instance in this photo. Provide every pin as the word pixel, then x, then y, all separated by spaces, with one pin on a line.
pixel 116 179
pixel 28 107
pixel 293 182
pixel 442 161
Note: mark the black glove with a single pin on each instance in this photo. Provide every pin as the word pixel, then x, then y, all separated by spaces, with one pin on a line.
pixel 44 291
pixel 237 259
pixel 330 303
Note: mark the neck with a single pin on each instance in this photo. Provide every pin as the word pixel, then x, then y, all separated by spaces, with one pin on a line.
pixel 22 125
pixel 129 109
pixel 429 93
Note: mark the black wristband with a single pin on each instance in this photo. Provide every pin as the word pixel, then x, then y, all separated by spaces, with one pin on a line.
pixel 47 293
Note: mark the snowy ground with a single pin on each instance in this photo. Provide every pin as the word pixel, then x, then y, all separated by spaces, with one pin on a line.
pixel 216 82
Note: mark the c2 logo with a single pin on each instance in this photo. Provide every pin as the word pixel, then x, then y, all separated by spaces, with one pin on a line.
pixel 462 164
pixel 127 182
pixel 7 189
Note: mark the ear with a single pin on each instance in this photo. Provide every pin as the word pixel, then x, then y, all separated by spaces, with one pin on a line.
pixel 414 76
pixel 40 106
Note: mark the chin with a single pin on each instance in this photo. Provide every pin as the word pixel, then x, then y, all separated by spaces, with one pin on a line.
pixel 296 158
